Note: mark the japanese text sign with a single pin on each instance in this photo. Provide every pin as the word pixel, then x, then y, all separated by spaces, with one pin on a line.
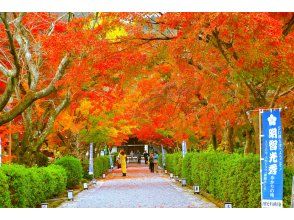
pixel 272 156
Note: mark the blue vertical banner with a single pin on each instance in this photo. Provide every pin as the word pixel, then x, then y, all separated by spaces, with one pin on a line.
pixel 272 159
pixel 110 159
pixel 184 148
pixel 163 156
pixel 91 164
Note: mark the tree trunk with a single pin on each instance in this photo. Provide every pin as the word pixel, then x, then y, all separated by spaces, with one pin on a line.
pixel 256 134
pixel 229 141
pixel 248 145
pixel 214 140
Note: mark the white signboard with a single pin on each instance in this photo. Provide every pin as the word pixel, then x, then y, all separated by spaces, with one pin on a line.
pixel 228 205
pixel 70 195
pixel 44 205
pixel 196 189
pixel 114 149
pixel 146 148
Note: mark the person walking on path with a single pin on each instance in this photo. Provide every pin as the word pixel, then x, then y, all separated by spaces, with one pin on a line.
pixel 132 156
pixel 155 161
pixel 145 155
pixel 151 163
pixel 123 162
pixel 139 156
pixel 118 163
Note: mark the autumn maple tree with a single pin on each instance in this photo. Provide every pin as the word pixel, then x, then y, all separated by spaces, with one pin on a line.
pixel 160 77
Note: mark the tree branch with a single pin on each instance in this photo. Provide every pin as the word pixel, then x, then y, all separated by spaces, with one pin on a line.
pixel 24 43
pixel 218 45
pixel 52 26
pixel 31 96
pixel 51 120
pixel 11 43
pixel 275 96
pixel 287 27
pixel 59 73
pixel 252 90
pixel 14 73
pixel 4 99
pixel 155 38
pixel 4 70
pixel 287 91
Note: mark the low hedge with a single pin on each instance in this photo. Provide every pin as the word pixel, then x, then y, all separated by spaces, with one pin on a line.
pixel 55 179
pixel 86 175
pixel 177 164
pixel 160 162
pixel 186 173
pixel 29 187
pixel 19 185
pixel 227 177
pixel 73 168
pixel 169 162
pixel 101 165
pixel 173 163
pixel 4 191
pixel 288 176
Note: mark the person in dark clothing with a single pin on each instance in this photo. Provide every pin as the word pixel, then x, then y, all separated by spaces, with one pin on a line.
pixel 145 155
pixel 139 156
pixel 155 161
pixel 151 163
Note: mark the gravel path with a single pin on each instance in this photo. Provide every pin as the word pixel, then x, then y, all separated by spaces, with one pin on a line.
pixel 139 189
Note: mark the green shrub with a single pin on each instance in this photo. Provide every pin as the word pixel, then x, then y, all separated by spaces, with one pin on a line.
pixel 177 164
pixel 169 163
pixel 186 167
pixel 19 185
pixel 86 175
pixel 160 160
pixel 41 160
pixel 4 191
pixel 288 175
pixel 227 177
pixel 37 187
pixel 29 187
pixel 106 163
pixel 101 165
pixel 73 168
pixel 55 179
pixel 173 163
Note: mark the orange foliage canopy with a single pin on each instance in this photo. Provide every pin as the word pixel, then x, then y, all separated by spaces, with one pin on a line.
pixel 164 77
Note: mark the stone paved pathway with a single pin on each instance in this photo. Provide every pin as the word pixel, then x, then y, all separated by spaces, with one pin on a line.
pixel 139 189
